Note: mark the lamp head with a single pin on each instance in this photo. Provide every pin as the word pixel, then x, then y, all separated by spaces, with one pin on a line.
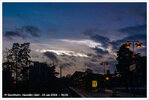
pixel 127 45
pixel 138 44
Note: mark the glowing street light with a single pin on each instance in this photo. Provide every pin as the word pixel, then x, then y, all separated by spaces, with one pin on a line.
pixel 128 45
pixel 138 45
pixel 107 78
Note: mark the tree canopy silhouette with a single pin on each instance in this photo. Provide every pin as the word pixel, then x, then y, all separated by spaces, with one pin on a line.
pixel 18 60
pixel 124 58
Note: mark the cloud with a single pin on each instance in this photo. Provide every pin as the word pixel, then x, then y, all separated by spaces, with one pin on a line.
pixel 104 41
pixel 139 37
pixel 23 32
pixel 66 65
pixel 11 34
pixel 34 31
pixel 99 38
pixel 96 37
pixel 86 42
pixel 94 56
pixel 64 52
pixel 105 47
pixel 51 56
pixel 139 29
pixel 91 65
pixel 100 51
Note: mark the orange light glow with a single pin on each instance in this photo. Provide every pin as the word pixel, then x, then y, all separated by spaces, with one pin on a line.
pixel 138 45
pixel 14 82
pixel 133 56
pixel 127 45
pixel 107 78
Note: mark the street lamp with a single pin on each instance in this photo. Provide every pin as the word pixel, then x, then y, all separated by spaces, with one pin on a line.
pixel 107 78
pixel 137 43
pixel 128 45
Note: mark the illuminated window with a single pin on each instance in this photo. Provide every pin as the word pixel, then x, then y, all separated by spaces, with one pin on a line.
pixel 94 83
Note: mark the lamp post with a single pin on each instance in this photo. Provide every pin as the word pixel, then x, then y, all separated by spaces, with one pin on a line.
pixel 138 45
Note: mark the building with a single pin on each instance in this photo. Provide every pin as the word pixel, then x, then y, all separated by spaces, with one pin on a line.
pixel 88 81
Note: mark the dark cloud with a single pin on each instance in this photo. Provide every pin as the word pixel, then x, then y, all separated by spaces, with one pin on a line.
pixel 98 38
pixel 138 37
pixel 95 37
pixel 51 56
pixel 100 51
pixel 94 60
pixel 139 29
pixel 23 32
pixel 34 31
pixel 10 34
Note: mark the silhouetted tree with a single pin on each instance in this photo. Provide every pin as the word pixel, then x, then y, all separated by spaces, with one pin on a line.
pixel 141 68
pixel 52 71
pixel 124 58
pixel 18 59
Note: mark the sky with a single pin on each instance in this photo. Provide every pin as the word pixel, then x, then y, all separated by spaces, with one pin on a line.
pixel 75 36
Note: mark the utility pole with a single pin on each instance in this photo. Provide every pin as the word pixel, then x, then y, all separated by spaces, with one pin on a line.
pixel 104 65
pixel 60 71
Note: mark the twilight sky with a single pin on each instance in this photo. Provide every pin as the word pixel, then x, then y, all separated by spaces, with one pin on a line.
pixel 76 36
